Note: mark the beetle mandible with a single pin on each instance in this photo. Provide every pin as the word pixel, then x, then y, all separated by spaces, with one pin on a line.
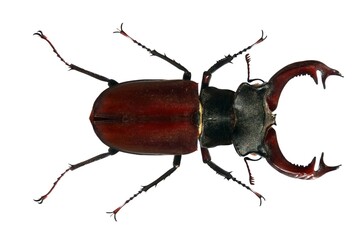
pixel 168 117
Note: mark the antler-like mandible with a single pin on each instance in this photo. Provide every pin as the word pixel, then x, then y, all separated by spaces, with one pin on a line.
pixel 282 77
pixel 276 84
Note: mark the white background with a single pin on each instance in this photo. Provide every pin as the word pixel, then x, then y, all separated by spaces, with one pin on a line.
pixel 45 109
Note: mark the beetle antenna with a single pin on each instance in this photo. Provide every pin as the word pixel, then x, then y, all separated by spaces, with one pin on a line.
pixel 247 59
pixel 251 178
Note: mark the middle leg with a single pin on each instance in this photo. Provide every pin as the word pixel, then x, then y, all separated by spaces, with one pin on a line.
pixel 176 164
pixel 186 75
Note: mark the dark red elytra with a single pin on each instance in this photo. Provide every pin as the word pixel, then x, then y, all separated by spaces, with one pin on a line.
pixel 148 116
pixel 170 116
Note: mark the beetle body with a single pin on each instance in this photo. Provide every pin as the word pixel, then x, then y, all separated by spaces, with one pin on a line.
pixel 170 116
pixel 164 117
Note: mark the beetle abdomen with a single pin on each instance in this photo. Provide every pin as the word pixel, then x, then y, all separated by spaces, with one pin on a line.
pixel 148 117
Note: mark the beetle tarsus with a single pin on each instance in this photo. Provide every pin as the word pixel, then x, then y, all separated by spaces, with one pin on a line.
pixel 261 198
pixel 43 36
pixel 110 82
pixel 39 33
pixel 42 198
pixel 114 213
pixel 247 187
pixel 262 38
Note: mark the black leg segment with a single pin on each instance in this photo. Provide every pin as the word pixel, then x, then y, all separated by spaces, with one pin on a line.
pixel 186 75
pixel 176 164
pixel 227 59
pixel 227 175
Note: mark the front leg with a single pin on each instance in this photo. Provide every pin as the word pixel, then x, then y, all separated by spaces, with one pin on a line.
pixel 227 175
pixel 227 59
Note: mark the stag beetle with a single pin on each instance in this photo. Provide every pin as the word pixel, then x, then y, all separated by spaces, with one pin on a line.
pixel 168 116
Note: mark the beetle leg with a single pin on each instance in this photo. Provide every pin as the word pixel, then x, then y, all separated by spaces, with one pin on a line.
pixel 110 82
pixel 227 59
pixel 186 75
pixel 282 77
pixel 110 152
pixel 277 160
pixel 176 164
pixel 227 175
